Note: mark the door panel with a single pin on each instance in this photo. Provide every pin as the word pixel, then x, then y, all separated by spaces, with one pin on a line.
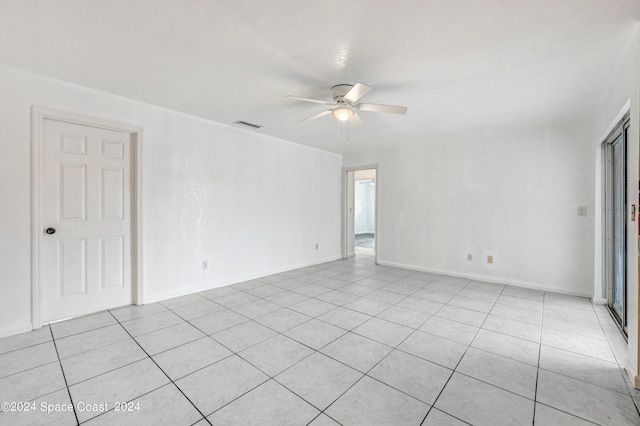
pixel 73 190
pixel 85 266
pixel 73 144
pixel 112 192
pixel 112 262
pixel 72 273
pixel 112 149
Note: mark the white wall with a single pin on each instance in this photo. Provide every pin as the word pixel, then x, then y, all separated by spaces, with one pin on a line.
pixel 360 212
pixel 364 207
pixel 622 94
pixel 511 194
pixel 210 191
pixel 371 209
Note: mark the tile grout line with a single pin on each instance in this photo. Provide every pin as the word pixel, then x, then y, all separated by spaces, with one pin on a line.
pixel 233 352
pixel 108 371
pixel 160 368
pixel 81 332
pixel 30 369
pixel 382 359
pixel 544 297
pixel 583 355
pixel 255 366
pixel 626 380
pixel 568 413
pixel 25 347
pixel 460 360
pixel 572 378
pixel 535 393
pixel 64 376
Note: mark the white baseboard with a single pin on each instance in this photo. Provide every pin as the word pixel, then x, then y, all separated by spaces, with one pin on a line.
pixel 516 283
pixel 599 301
pixel 15 329
pixel 195 288
pixel 632 375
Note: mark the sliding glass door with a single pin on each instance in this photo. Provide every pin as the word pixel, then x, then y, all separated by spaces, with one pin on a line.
pixel 616 222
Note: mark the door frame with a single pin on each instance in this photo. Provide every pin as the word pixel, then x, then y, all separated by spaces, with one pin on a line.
pixel 345 204
pixel 38 115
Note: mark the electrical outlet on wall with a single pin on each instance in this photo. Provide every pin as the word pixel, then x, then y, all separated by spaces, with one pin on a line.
pixel 205 265
pixel 489 259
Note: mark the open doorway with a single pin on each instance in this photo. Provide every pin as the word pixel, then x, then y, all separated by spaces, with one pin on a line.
pixel 360 213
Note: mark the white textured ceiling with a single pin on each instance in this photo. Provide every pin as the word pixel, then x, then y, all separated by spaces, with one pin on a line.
pixel 460 66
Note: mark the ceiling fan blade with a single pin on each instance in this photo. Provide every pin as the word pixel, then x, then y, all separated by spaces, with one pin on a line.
pixel 356 92
pixel 391 109
pixel 355 120
pixel 321 114
pixel 317 101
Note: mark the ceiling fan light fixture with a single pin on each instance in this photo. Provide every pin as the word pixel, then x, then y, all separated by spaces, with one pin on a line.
pixel 345 104
pixel 343 114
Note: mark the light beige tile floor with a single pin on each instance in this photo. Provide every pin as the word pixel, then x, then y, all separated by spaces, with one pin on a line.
pixel 341 343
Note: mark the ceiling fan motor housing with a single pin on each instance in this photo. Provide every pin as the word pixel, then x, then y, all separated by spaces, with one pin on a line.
pixel 339 91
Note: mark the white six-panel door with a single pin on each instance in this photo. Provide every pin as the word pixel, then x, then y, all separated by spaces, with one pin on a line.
pixel 85 259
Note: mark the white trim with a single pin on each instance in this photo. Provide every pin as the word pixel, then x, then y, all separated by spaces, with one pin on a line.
pixel 631 374
pixel 516 283
pixel 624 111
pixel 38 115
pixel 599 301
pixel 345 203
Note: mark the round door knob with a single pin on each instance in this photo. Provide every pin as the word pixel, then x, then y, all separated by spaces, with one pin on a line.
pixel 51 231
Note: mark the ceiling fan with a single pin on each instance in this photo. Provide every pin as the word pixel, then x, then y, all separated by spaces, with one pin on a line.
pixel 345 98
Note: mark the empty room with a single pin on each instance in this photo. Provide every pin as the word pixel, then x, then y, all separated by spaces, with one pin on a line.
pixel 319 213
